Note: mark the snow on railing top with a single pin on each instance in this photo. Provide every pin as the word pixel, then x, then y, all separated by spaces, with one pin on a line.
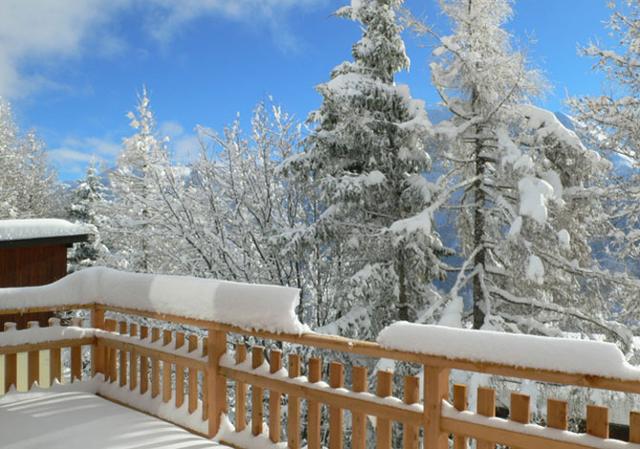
pixel 522 351
pixel 249 306
pixel 43 335
pixel 39 228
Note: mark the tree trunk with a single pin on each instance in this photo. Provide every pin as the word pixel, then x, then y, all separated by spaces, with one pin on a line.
pixel 479 260
pixel 403 304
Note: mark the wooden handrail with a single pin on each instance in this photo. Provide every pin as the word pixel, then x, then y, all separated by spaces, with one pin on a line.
pixel 45 345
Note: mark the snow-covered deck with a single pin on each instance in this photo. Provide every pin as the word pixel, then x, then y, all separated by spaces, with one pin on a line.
pixel 163 345
pixel 82 420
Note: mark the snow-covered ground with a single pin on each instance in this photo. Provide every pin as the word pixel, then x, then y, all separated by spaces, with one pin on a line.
pixel 82 420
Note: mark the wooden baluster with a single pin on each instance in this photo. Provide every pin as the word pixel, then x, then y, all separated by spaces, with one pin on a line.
pixel 33 361
pixel 634 427
pixel 410 433
pixel 76 355
pixel 486 407
pixel 167 336
pixel 557 414
pixel 98 362
pixel 313 426
pixel 293 406
pixel 275 365
pixel 155 366
pixel 460 403
pixel 598 421
pixel 336 380
pixel 359 423
pixel 241 391
pixel 123 355
pixel 436 389
pixel 55 357
pixel 520 409
pixel 110 326
pixel 205 386
pixel 133 359
pixel 10 363
pixel 384 386
pixel 216 382
pixel 257 358
pixel 193 377
pixel 144 363
pixel 179 372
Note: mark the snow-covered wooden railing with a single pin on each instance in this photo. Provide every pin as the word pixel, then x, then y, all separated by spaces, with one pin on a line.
pixel 184 378
pixel 53 339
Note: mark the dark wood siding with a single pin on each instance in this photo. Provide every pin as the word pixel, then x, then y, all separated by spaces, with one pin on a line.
pixel 36 265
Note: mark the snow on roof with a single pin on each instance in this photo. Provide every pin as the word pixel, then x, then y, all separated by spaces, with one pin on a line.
pixel 524 351
pixel 39 228
pixel 249 306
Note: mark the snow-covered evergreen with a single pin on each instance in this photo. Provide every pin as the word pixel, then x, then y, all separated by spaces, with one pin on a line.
pixel 88 206
pixel 367 158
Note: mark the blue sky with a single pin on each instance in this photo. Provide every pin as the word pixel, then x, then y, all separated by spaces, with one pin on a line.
pixel 73 72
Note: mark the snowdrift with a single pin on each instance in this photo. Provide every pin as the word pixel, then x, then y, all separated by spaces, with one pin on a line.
pixel 249 306
pixel 523 351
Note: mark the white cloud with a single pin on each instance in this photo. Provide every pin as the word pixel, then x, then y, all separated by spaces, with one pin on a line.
pixel 171 129
pixel 184 146
pixel 171 15
pixel 39 32
pixel 75 153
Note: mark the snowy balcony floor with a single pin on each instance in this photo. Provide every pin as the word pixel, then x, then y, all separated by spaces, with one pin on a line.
pixel 78 420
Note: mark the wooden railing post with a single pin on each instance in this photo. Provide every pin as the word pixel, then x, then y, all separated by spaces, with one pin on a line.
pixel 76 356
pixel 97 354
pixel 460 404
pixel 293 406
pixel 193 377
pixel 336 416
pixel 55 358
pixel 384 389
pixel 411 434
pixel 257 393
pixel 359 424
pixel 314 411
pixel 216 382
pixel 10 363
pixel 33 361
pixel 436 388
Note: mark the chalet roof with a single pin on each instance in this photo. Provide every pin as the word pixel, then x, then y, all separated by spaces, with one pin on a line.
pixel 41 232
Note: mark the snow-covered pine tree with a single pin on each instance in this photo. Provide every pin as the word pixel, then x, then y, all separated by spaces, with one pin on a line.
pixel 88 205
pixel 525 214
pixel 137 196
pixel 367 159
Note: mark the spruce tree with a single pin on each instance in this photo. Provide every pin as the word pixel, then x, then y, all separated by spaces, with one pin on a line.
pixel 367 160
pixel 88 207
